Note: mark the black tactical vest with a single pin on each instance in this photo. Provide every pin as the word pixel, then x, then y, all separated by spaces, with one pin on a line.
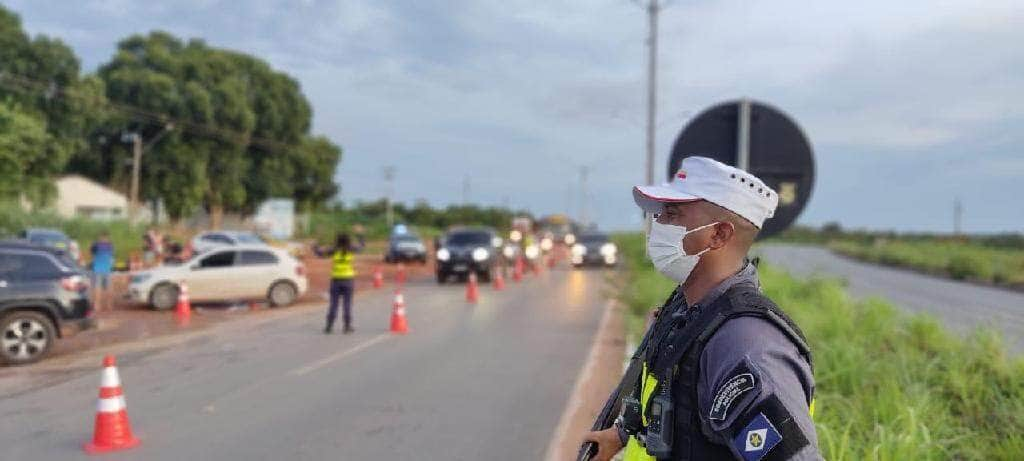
pixel 682 353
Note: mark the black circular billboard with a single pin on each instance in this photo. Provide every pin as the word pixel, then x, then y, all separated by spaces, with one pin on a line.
pixel 775 150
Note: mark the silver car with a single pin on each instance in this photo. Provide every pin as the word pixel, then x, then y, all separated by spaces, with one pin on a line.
pixel 241 272
pixel 206 241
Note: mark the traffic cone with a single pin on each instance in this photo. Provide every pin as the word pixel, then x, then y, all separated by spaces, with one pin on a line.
pixel 398 323
pixel 472 291
pixel 551 261
pixel 499 280
pixel 400 276
pixel 253 305
pixel 517 270
pixel 112 430
pixel 183 311
pixel 378 277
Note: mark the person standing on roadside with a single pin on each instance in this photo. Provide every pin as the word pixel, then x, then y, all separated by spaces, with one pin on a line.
pixel 153 247
pixel 726 373
pixel 102 265
pixel 343 274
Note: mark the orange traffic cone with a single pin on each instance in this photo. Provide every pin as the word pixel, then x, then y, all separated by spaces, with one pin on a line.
pixel 112 430
pixel 472 291
pixel 253 305
pixel 499 280
pixel 551 262
pixel 398 323
pixel 400 276
pixel 378 277
pixel 517 270
pixel 183 311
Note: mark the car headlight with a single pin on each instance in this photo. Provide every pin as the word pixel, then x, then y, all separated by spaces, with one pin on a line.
pixel 532 251
pixel 570 239
pixel 496 242
pixel 608 249
pixel 480 254
pixel 546 244
pixel 579 250
pixel 443 254
pixel 515 236
pixel 509 251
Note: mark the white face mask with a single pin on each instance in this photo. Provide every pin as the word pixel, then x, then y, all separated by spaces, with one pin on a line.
pixel 665 248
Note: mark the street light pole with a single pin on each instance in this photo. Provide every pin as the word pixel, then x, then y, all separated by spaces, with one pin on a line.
pixel 133 204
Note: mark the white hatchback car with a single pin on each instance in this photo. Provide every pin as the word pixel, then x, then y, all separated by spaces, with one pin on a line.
pixel 241 272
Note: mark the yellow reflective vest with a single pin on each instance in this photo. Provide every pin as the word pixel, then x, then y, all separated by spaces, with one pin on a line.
pixel 341 265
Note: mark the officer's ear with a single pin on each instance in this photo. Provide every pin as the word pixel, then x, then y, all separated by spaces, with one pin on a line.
pixel 724 233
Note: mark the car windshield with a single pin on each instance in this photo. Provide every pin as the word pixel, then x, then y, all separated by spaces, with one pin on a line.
pixel 594 238
pixel 469 238
pixel 48 238
pixel 248 238
pixel 406 239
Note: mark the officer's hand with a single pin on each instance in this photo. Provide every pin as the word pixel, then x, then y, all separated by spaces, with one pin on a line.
pixel 608 443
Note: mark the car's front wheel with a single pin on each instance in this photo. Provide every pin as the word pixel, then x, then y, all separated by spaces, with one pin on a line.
pixel 282 294
pixel 164 296
pixel 27 337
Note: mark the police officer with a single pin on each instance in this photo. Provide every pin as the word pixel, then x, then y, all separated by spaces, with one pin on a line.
pixel 343 274
pixel 726 374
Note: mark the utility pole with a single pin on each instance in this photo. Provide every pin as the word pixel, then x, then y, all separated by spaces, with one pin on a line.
pixel 133 201
pixel 958 212
pixel 653 7
pixel 389 177
pixel 584 170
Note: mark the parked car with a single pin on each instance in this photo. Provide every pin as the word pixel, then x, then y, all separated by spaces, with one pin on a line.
pixel 241 272
pixel 467 250
pixel 40 291
pixel 206 241
pixel 405 247
pixel 594 249
pixel 52 238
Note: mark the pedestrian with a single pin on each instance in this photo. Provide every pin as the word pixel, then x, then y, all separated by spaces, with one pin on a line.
pixel 726 374
pixel 153 247
pixel 102 251
pixel 343 274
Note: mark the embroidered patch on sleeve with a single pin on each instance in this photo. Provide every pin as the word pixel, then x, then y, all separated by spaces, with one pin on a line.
pixel 728 392
pixel 756 439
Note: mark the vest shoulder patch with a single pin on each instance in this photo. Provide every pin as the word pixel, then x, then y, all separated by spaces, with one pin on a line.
pixel 757 439
pixel 742 381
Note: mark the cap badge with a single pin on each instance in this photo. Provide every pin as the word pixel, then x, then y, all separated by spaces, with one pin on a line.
pixel 681 174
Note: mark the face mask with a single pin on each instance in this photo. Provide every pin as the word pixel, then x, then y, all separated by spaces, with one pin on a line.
pixel 665 248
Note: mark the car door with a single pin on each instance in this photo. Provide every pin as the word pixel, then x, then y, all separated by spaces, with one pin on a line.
pixel 215 277
pixel 261 268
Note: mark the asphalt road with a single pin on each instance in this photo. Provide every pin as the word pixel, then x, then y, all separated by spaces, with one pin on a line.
pixel 485 381
pixel 960 305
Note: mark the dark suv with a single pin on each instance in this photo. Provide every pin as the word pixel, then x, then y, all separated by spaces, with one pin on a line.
pixel 40 290
pixel 466 250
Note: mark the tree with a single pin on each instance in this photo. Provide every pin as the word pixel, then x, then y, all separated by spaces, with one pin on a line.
pixel 29 157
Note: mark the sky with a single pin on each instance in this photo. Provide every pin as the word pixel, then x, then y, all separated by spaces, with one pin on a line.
pixel 909 105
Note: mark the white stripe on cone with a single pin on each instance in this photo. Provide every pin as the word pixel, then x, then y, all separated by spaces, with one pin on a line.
pixel 111 405
pixel 110 378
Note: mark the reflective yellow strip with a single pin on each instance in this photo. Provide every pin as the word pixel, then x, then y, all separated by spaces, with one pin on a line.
pixel 811 409
pixel 635 451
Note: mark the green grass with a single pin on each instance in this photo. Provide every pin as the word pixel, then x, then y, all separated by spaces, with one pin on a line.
pixel 890 386
pixel 960 260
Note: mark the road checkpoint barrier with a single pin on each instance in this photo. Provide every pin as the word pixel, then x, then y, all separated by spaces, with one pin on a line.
pixel 378 277
pixel 183 310
pixel 398 322
pixel 112 430
pixel 499 280
pixel 472 289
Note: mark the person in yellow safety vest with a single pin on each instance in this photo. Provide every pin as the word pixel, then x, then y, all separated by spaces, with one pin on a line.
pixel 726 374
pixel 343 274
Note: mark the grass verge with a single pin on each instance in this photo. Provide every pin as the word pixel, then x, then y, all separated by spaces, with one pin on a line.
pixel 890 386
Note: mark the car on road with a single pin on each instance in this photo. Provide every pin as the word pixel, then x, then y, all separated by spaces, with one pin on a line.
pixel 206 241
pixel 405 247
pixel 594 249
pixel 236 273
pixel 463 251
pixel 52 238
pixel 40 292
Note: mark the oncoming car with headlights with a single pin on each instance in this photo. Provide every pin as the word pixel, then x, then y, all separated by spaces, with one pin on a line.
pixel 594 249
pixel 467 250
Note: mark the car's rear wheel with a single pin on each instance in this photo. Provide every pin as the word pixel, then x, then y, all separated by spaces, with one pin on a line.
pixel 26 337
pixel 282 294
pixel 164 296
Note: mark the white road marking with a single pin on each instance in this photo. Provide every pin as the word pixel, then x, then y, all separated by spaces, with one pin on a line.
pixel 575 402
pixel 340 355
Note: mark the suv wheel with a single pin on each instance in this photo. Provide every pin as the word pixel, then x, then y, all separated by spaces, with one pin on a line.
pixel 441 278
pixel 164 297
pixel 281 294
pixel 26 337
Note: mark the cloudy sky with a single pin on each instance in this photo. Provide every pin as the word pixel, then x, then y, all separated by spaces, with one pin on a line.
pixel 909 105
